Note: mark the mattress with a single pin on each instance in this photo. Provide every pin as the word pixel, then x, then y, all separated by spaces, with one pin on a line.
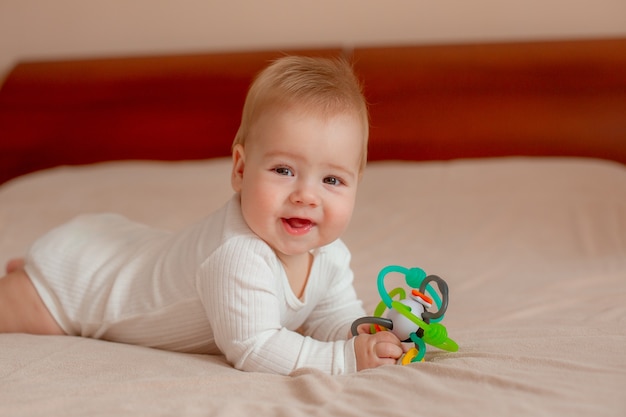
pixel 533 250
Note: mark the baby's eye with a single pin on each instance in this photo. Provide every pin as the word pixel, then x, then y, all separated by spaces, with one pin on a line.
pixel 283 171
pixel 332 181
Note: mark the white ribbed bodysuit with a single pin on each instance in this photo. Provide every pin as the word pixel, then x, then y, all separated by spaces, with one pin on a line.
pixel 213 287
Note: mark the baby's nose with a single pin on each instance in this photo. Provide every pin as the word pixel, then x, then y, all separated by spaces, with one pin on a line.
pixel 305 194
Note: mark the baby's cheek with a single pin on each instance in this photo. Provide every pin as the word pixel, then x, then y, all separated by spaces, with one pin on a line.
pixel 339 221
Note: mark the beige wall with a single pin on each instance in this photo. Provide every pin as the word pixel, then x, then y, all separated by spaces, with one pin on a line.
pixel 32 29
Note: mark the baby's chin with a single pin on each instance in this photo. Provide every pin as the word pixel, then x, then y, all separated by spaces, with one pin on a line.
pixel 294 246
pixel 293 253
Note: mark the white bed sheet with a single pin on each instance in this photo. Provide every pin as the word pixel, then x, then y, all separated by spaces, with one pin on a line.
pixel 533 250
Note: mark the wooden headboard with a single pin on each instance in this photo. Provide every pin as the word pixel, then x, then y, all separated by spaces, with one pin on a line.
pixel 426 102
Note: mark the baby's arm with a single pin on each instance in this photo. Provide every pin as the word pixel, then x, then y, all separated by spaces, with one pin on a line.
pixel 339 309
pixel 241 288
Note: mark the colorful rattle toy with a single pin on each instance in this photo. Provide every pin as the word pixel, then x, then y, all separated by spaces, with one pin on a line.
pixel 408 318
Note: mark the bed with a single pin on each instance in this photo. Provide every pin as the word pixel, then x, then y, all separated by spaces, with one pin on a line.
pixel 499 167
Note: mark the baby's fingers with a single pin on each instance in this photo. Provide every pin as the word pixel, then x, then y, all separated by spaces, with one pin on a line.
pixel 373 350
pixel 364 328
pixel 388 350
pixel 388 345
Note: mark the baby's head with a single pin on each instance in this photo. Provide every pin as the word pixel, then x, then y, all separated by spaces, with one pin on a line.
pixel 300 152
pixel 320 86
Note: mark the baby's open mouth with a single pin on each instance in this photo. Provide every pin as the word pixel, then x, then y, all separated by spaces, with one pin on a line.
pixel 298 226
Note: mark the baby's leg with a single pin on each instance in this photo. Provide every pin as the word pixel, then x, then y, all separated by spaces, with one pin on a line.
pixel 21 308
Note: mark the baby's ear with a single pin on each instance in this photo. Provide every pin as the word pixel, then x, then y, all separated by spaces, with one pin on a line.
pixel 238 167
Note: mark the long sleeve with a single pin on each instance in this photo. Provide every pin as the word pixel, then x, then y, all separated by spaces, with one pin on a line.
pixel 254 321
pixel 332 317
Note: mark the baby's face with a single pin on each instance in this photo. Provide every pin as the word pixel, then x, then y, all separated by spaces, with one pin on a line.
pixel 298 177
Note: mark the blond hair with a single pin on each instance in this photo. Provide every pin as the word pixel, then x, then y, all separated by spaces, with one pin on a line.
pixel 324 86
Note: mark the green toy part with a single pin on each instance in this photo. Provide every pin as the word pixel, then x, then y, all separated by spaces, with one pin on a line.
pixel 435 334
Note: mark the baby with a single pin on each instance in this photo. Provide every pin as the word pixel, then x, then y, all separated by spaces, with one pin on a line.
pixel 265 280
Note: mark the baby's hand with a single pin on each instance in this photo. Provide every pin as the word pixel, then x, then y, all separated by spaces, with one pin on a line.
pixel 373 350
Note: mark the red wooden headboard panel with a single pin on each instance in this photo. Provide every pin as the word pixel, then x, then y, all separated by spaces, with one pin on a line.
pixel 427 102
pixel 85 111
pixel 459 101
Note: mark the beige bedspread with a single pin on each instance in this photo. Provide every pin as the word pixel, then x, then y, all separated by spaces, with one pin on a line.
pixel 533 250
